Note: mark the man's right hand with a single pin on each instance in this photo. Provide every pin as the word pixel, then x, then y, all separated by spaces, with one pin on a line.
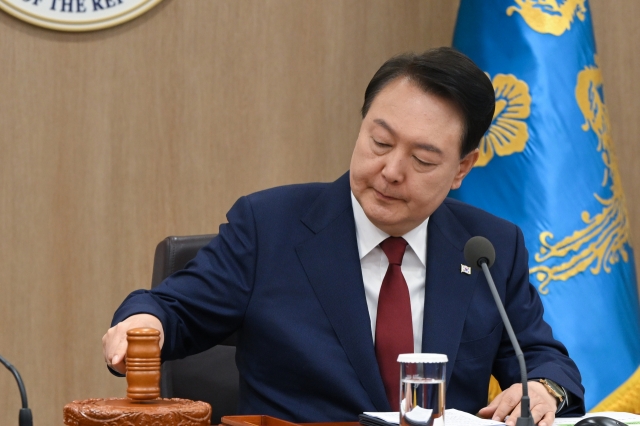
pixel 114 343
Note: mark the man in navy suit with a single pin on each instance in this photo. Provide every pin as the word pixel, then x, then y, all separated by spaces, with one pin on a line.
pixel 301 271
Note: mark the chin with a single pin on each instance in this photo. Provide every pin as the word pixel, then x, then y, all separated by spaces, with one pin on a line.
pixel 383 222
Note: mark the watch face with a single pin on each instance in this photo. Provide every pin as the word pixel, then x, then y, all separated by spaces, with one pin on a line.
pixel 554 388
pixel 76 15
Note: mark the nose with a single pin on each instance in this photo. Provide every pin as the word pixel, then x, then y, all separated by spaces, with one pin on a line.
pixel 394 168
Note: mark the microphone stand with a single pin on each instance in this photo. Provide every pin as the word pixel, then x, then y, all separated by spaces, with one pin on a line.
pixel 525 418
pixel 25 419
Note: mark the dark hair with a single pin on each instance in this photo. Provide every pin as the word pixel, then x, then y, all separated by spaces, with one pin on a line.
pixel 449 74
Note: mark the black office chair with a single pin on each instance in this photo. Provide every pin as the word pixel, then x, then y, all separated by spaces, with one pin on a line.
pixel 209 376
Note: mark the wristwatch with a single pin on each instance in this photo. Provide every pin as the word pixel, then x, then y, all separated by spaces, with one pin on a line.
pixel 556 391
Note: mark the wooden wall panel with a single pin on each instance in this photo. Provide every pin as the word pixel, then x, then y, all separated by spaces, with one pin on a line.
pixel 112 140
pixel 617 38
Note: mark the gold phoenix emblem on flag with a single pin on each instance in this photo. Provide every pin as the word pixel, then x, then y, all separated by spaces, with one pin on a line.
pixel 547 16
pixel 508 133
pixel 601 243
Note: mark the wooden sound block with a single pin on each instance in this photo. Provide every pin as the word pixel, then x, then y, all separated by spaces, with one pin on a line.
pixel 125 412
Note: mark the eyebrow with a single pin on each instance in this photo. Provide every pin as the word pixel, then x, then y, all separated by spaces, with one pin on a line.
pixel 382 123
pixel 421 145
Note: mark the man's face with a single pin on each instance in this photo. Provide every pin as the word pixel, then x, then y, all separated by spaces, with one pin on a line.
pixel 407 157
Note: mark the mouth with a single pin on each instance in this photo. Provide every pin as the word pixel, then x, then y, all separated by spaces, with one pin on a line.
pixel 384 197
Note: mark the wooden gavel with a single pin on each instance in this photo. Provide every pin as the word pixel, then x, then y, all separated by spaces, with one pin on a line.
pixel 143 364
pixel 143 405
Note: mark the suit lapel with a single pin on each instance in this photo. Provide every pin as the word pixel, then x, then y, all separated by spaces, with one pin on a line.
pixel 330 259
pixel 447 291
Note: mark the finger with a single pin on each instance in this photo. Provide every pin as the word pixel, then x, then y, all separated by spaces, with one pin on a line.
pixel 115 345
pixel 488 411
pixel 547 419
pixel 108 342
pixel 543 411
pixel 120 367
pixel 118 360
pixel 513 416
pixel 540 410
pixel 104 346
pixel 120 352
pixel 507 407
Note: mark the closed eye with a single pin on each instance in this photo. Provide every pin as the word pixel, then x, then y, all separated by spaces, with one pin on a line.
pixel 423 163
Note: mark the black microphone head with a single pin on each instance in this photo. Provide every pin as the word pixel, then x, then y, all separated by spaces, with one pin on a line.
pixel 479 249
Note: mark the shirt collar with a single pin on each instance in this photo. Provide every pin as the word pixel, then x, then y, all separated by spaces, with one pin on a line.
pixel 370 236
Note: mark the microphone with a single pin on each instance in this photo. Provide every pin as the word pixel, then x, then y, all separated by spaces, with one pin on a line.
pixel 480 254
pixel 25 418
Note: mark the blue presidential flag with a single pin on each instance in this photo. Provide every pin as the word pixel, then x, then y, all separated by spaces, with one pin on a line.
pixel 547 163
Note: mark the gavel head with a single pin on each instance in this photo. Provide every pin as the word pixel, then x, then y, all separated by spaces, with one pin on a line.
pixel 143 364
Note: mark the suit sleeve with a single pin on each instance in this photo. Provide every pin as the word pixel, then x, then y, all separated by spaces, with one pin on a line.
pixel 545 357
pixel 204 303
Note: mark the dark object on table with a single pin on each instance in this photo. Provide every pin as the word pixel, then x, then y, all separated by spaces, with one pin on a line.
pixel 367 420
pixel 600 421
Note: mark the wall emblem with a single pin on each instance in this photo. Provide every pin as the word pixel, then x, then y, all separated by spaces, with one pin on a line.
pixel 76 15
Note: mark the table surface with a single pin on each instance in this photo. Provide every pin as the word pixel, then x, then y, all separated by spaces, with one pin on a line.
pixel 258 420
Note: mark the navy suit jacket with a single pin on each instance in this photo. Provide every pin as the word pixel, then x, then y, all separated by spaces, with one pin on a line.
pixel 285 273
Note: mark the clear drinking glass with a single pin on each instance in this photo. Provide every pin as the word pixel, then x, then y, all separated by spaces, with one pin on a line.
pixel 422 389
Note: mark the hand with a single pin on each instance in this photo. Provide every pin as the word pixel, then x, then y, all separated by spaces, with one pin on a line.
pixel 114 342
pixel 543 405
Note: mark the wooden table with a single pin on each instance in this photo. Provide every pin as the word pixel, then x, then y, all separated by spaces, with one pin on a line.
pixel 273 421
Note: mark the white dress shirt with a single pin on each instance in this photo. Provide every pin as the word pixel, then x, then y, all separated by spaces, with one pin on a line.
pixel 374 264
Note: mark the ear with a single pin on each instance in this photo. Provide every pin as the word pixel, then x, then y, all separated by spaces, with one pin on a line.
pixel 466 164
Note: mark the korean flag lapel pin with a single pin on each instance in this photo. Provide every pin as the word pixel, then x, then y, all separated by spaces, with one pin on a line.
pixel 464 269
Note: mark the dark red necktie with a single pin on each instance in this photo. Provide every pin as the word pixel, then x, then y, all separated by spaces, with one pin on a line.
pixel 394 328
